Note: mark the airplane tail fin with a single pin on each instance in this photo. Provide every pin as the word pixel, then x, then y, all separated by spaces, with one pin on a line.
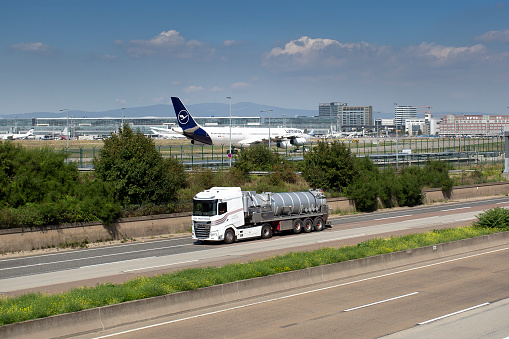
pixel 189 127
pixel 184 118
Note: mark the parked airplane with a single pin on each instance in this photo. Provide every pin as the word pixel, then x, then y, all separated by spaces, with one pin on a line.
pixel 64 135
pixel 240 136
pixel 166 133
pixel 11 136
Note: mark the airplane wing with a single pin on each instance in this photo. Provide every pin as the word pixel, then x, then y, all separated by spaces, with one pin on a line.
pixel 248 142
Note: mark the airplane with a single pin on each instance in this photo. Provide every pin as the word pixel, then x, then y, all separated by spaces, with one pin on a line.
pixel 166 133
pixel 63 135
pixel 11 136
pixel 240 136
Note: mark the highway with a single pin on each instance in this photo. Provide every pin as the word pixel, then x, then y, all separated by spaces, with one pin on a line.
pixel 465 296
pixel 61 270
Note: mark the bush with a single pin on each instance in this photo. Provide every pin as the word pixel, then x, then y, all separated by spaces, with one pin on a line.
pixel 365 191
pixel 256 158
pixel 411 187
pixel 497 217
pixel 329 166
pixel 389 188
pixel 137 171
pixel 436 174
pixel 38 188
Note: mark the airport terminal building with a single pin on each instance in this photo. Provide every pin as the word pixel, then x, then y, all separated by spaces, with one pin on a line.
pixel 87 128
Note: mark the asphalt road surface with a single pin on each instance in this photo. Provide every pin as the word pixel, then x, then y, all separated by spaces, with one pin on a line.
pixel 58 271
pixel 457 297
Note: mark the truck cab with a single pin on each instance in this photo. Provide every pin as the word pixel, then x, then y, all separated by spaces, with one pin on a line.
pixel 217 212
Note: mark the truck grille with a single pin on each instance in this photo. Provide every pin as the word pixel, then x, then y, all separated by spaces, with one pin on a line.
pixel 201 231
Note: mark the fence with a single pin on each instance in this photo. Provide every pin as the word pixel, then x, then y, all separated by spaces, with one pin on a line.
pixel 384 152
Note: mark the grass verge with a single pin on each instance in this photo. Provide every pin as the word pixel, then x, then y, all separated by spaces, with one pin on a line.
pixel 38 305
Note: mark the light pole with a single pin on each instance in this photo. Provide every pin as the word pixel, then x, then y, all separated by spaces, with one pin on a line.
pixel 122 126
pixel 396 121
pixel 66 109
pixel 268 110
pixel 230 150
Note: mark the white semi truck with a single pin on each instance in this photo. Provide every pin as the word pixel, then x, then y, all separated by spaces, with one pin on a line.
pixel 228 214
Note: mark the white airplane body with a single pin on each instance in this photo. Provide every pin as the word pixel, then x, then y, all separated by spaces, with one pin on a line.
pixel 240 136
pixel 167 133
pixel 17 136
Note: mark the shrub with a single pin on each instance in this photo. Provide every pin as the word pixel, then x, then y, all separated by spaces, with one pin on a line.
pixel 137 171
pixel 329 166
pixel 411 187
pixel 497 217
pixel 436 174
pixel 256 158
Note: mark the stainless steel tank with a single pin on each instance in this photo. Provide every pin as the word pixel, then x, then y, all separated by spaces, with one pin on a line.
pixel 288 202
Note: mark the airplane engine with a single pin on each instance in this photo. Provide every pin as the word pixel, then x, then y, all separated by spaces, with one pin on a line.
pixel 284 144
pixel 298 141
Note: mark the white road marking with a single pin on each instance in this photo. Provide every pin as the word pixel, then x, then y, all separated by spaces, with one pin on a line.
pixel 454 209
pixel 299 294
pixel 146 268
pixel 87 250
pixel 94 257
pixel 398 216
pixel 115 262
pixel 380 302
pixel 451 314
pixel 341 238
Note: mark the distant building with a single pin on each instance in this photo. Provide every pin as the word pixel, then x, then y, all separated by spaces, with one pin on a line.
pixel 413 126
pixel 473 125
pixel 341 115
pixel 402 113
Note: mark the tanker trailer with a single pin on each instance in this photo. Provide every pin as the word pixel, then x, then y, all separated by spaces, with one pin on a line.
pixel 229 214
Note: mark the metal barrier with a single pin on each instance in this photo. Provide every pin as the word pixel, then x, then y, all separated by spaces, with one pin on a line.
pixel 411 151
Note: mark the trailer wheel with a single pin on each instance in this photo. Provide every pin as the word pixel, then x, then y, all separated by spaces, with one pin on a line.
pixel 229 236
pixel 297 226
pixel 266 231
pixel 307 225
pixel 318 224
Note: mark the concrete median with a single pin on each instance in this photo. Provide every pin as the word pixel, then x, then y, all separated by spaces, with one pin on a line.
pixel 98 319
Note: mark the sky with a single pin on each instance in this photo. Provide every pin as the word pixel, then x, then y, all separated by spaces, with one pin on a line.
pixel 98 55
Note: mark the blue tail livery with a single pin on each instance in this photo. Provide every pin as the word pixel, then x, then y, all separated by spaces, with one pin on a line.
pixel 189 127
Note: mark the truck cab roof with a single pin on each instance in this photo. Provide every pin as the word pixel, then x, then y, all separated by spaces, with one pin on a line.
pixel 220 193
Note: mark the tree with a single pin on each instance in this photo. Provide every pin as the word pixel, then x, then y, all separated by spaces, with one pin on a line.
pixel 257 158
pixel 329 166
pixel 137 171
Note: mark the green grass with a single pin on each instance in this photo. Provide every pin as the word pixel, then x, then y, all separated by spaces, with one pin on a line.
pixel 38 305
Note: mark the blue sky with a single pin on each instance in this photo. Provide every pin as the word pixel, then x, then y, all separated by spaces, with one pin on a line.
pixel 100 55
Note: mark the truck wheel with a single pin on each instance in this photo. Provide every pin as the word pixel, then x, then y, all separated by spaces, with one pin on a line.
pixel 229 236
pixel 318 224
pixel 307 225
pixel 297 226
pixel 266 231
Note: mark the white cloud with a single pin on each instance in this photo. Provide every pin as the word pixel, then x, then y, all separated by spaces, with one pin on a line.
pixel 169 44
pixel 108 57
pixel 230 42
pixel 33 47
pixel 121 101
pixel 443 54
pixel 311 54
pixel 500 36
pixel 317 59
pixel 240 85
pixel 193 89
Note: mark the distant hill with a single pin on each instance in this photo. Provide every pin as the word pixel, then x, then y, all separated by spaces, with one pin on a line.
pixel 241 109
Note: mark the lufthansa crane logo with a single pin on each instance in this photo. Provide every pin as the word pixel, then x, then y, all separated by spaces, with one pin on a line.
pixel 183 117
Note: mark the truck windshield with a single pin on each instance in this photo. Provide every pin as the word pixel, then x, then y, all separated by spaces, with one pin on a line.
pixel 205 207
